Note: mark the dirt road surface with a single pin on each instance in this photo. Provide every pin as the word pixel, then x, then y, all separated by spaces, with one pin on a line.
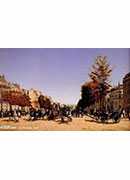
pixel 77 124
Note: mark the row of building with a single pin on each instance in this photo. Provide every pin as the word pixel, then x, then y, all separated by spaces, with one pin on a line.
pixel 6 86
pixel 120 96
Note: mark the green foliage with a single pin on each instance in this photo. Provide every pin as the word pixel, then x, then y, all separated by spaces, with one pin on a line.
pixel 101 70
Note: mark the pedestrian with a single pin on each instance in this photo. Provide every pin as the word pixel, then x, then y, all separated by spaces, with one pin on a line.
pixel 15 116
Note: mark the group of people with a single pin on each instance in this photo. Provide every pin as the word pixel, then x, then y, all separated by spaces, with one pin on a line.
pixel 64 113
pixel 12 114
pixel 114 115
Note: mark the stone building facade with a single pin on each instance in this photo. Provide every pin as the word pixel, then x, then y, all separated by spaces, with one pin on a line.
pixel 126 89
pixel 115 98
pixel 14 88
pixel 5 87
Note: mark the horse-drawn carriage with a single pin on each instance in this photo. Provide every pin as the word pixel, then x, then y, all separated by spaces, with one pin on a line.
pixel 105 117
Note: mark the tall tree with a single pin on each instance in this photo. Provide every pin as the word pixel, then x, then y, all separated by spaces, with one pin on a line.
pixel 44 102
pixel 101 71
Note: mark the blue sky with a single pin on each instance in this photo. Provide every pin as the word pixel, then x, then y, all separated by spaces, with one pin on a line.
pixel 59 73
